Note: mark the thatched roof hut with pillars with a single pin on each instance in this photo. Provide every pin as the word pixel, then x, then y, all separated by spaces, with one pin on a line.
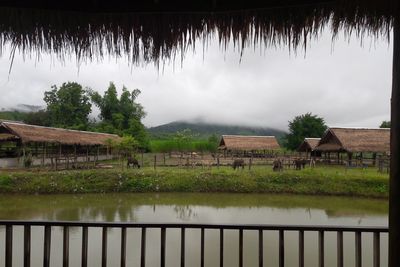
pixel 154 31
pixel 45 143
pixel 308 146
pixel 248 145
pixel 353 140
pixel 360 141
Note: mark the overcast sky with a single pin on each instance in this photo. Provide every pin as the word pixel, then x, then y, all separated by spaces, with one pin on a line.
pixel 347 84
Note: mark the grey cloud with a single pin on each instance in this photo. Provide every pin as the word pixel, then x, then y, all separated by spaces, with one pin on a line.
pixel 349 86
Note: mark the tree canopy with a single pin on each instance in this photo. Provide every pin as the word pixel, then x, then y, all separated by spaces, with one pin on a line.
pixel 385 124
pixel 121 115
pixel 306 125
pixel 68 106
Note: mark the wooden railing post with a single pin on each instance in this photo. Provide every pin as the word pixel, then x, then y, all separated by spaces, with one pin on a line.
pixel 27 246
pixel 9 245
pixel 394 194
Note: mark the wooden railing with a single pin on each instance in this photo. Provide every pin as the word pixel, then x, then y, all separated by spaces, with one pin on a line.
pixel 259 229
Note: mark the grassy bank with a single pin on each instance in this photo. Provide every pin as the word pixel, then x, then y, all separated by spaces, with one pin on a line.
pixel 318 181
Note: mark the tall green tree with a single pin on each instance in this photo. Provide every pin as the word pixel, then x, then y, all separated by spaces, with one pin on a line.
pixel 385 124
pixel 121 115
pixel 68 106
pixel 306 125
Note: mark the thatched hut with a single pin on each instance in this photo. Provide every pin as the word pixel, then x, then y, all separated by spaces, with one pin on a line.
pixel 150 31
pixel 355 140
pixel 248 145
pixel 308 146
pixel 47 145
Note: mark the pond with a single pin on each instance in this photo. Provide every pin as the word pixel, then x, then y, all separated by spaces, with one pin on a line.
pixel 195 208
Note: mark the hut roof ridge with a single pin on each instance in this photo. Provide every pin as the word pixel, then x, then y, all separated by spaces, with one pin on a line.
pixel 40 134
pixel 359 128
pixel 256 136
pixel 53 128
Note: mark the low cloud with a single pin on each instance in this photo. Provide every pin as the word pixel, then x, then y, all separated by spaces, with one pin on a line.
pixel 349 86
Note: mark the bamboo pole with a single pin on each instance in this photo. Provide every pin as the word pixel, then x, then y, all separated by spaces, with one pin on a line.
pixel 394 190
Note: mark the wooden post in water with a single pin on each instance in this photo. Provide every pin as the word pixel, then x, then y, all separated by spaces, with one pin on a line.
pixel 394 194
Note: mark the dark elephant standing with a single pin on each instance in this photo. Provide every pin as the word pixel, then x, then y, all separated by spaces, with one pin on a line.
pixel 133 162
pixel 277 165
pixel 300 163
pixel 237 163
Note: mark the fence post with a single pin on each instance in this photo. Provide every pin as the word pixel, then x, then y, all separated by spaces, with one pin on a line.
pixel 155 161
pixel 250 162
pixel 164 158
pixel 218 161
pixel 142 160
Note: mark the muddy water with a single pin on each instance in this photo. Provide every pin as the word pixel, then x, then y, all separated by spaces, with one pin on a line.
pixel 195 208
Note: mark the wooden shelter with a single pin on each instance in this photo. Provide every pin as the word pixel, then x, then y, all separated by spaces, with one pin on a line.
pixel 17 140
pixel 352 140
pixel 308 146
pixel 150 31
pixel 247 145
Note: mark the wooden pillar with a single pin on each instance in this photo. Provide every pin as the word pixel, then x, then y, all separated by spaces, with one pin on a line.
pixel 394 191
pixel 349 158
pixel 23 155
pixel 87 157
pixel 43 154
pixel 75 157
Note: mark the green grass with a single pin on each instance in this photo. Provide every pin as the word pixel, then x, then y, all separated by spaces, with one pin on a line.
pixel 169 145
pixel 318 181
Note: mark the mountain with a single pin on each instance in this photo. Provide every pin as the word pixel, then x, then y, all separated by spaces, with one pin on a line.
pixel 204 130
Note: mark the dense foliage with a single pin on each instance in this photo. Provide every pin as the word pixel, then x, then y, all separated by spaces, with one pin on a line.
pixel 385 124
pixel 121 115
pixel 306 125
pixel 68 106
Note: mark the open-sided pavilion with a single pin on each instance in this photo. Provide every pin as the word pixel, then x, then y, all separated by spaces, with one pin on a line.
pixel 153 31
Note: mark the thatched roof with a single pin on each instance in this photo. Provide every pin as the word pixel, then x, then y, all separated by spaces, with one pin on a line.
pixel 32 133
pixel 242 142
pixel 150 31
pixel 355 140
pixel 308 144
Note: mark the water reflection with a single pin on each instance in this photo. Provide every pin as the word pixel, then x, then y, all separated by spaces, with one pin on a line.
pixel 197 208
pixel 176 207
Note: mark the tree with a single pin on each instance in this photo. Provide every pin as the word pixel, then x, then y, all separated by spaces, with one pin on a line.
pixel 385 124
pixel 40 117
pixel 306 125
pixel 68 106
pixel 121 115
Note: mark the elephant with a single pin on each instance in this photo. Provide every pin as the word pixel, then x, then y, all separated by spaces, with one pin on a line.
pixel 132 162
pixel 277 165
pixel 237 163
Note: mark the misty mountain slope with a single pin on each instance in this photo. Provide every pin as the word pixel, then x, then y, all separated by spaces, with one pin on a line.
pixel 204 130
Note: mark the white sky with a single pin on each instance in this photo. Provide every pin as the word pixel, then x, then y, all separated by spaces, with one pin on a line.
pixel 347 84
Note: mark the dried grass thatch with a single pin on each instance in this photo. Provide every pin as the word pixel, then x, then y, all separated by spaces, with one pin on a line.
pixel 308 145
pixel 249 143
pixel 355 140
pixel 154 31
pixel 31 133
